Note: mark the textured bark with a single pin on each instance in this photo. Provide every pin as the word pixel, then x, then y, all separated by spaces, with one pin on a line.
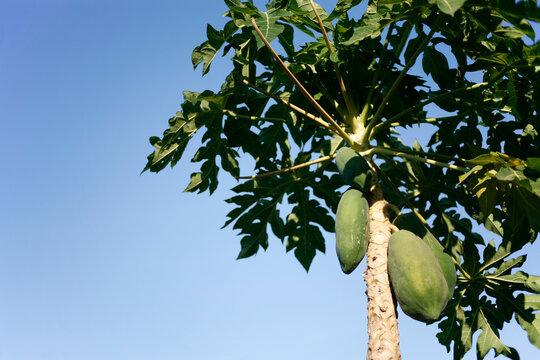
pixel 382 320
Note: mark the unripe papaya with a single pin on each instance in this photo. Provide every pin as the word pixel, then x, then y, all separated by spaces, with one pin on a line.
pixel 354 169
pixel 411 222
pixel 352 229
pixel 416 277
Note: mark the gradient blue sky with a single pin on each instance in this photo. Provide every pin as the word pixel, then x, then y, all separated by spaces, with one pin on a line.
pixel 99 263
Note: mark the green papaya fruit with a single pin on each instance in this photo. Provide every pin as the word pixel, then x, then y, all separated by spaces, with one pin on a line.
pixel 352 229
pixel 416 277
pixel 354 169
pixel 412 223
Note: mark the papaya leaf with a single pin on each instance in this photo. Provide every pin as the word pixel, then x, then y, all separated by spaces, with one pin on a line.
pixel 469 325
pixel 509 265
pixel 455 328
pixel 494 225
pixel 302 233
pixel 196 114
pixel 515 15
pixel 469 173
pixel 489 339
pixel 528 316
pixel 247 8
pixel 196 180
pixel 250 244
pixel 487 197
pixel 304 11
pixel 521 280
pixel 434 63
pixel 532 326
pixel 207 51
pixel 272 139
pixel 370 26
pixel 450 6
pixel 530 205
pixel 342 7
pixel 484 159
pixel 304 251
pixel 257 207
pixel 508 174
pixel 534 163
pixel 267 23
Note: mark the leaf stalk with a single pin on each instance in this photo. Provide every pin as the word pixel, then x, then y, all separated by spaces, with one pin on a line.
pixel 289 169
pixel 392 152
pixel 341 82
pixel 387 124
pixel 302 89
pixel 254 118
pixel 296 108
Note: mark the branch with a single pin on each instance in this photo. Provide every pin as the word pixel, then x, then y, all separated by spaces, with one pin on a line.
pixel 302 89
pixel 298 109
pixel 289 169
pixel 336 68
pixel 398 80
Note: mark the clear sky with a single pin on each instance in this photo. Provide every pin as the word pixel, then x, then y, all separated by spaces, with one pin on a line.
pixel 99 263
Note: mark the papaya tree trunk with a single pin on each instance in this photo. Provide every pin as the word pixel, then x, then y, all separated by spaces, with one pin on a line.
pixel 382 320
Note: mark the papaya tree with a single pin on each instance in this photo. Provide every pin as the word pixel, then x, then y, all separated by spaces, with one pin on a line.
pixel 307 83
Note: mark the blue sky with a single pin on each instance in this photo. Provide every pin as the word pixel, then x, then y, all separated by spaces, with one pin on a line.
pixel 97 262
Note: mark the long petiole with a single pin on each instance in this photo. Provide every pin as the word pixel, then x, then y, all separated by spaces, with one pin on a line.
pixel 289 169
pixel 336 68
pixel 387 124
pixel 426 102
pixel 298 109
pixel 438 97
pixel 381 150
pixel 397 82
pixel 367 106
pixel 300 87
pixel 430 155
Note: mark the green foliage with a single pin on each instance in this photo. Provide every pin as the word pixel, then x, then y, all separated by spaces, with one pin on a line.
pixel 476 84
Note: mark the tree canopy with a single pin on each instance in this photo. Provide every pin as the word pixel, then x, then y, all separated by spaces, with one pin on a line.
pixel 306 82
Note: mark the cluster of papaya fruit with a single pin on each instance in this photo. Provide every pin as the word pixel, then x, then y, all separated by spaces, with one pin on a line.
pixel 352 216
pixel 422 275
